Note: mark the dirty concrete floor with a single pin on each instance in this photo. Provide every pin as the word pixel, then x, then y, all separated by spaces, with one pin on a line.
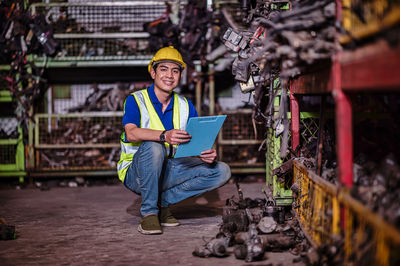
pixel 98 226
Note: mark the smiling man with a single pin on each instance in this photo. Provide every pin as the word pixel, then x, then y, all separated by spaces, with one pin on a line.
pixel 154 123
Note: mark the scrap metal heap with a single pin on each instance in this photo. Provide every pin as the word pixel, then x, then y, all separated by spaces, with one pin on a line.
pixel 250 227
pixel 21 35
pixel 87 130
pixel 288 42
pixel 283 40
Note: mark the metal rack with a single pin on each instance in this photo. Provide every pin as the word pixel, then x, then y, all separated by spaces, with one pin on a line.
pixel 12 152
pixel 77 143
pixel 372 68
pixel 238 144
pixel 325 210
pixel 100 33
pixel 100 41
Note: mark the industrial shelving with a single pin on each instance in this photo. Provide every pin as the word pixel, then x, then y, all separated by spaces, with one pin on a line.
pixel 99 42
pixel 99 34
pixel 12 151
pixel 371 68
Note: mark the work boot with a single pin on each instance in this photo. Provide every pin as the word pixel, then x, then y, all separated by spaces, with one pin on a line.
pixel 166 217
pixel 149 225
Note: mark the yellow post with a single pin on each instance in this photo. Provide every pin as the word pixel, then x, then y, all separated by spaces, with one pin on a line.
pixel 382 249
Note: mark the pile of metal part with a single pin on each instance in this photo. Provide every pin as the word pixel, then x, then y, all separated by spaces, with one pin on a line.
pixel 88 131
pixel 82 131
pixel 287 42
pixel 377 185
pixel 282 41
pixel 251 227
pixel 20 35
pixel 83 159
pixel 111 99
pixel 194 30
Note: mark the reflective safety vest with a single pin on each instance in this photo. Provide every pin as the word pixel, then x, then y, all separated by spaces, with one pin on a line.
pixel 150 119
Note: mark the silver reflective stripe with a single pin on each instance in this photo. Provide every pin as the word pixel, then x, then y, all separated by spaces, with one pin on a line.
pixel 129 148
pixel 123 165
pixel 183 112
pixel 144 113
pixel 174 150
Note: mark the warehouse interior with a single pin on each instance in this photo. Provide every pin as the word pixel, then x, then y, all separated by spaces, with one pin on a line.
pixel 310 90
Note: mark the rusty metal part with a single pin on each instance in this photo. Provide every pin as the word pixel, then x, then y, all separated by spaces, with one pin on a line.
pixel 216 247
pixel 267 225
pixel 283 169
pixel 252 250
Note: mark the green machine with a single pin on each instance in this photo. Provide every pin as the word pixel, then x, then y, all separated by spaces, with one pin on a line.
pixel 278 190
pixel 281 194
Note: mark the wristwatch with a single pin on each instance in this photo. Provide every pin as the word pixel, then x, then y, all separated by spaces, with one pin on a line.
pixel 162 136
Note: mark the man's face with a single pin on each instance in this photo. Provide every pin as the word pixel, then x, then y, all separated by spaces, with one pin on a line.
pixel 166 76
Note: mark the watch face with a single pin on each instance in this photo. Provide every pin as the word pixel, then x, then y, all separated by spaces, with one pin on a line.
pixel 162 137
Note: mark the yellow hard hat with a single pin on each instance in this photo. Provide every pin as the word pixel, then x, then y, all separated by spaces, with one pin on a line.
pixel 167 54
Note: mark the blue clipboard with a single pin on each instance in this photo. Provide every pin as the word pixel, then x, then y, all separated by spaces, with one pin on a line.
pixel 204 131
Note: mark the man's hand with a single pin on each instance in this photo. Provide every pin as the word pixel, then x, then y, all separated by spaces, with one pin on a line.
pixel 208 156
pixel 176 136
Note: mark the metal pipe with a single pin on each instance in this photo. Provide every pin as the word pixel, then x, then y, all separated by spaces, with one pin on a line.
pixel 198 90
pixel 321 135
pixel 211 92
pixel 295 119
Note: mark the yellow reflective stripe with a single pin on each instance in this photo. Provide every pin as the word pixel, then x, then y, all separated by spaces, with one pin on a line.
pixel 155 121
pixel 123 165
pixel 122 174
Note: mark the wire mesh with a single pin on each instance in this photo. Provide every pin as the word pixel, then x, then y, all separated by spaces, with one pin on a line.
pixel 77 159
pixel 245 156
pixel 239 126
pixel 309 129
pixel 103 30
pixel 80 129
pixel 101 48
pixel 90 17
pixel 8 154
pixel 238 143
pixel 81 141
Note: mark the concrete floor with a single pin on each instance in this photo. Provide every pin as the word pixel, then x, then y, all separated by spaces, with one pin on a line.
pixel 98 226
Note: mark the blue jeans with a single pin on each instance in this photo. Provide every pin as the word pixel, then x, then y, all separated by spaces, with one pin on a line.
pixel 163 180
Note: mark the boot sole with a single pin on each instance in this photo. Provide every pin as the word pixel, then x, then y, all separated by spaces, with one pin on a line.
pixel 170 224
pixel 148 232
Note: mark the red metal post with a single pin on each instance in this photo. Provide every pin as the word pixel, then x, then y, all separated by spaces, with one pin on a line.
pixel 344 123
pixel 295 119
pixel 344 130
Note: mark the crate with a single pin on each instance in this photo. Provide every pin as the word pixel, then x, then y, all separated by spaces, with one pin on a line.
pixel 329 215
pixel 365 18
pixel 94 17
pixel 98 31
pixel 238 143
pixel 103 46
pixel 12 156
pixel 77 141
pixel 12 152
